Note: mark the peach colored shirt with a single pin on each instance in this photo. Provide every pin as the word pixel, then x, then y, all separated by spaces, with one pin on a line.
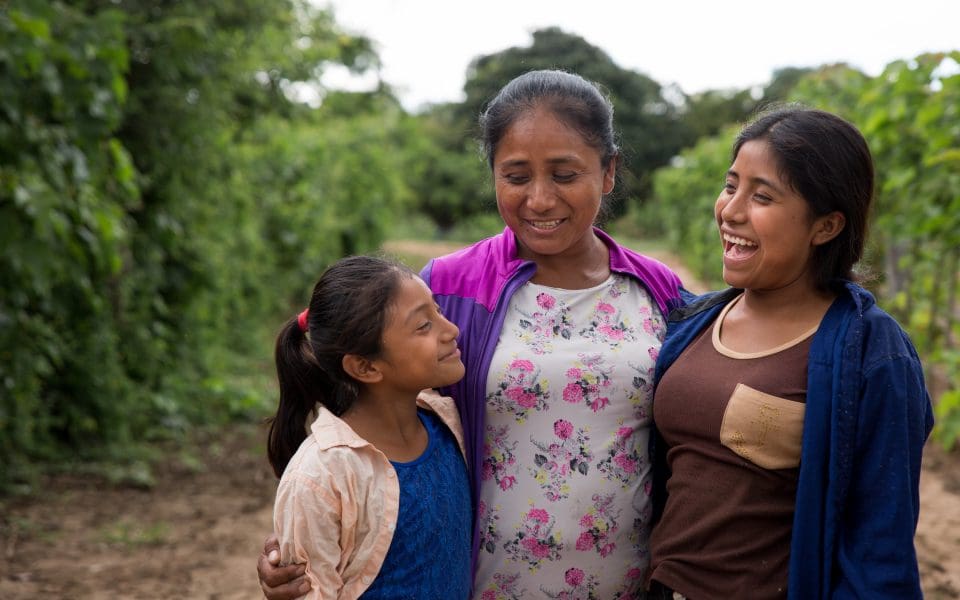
pixel 337 503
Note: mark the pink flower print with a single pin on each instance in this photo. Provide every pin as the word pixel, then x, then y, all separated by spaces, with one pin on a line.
pixel 519 391
pixel 611 333
pixel 654 353
pixel 546 300
pixel 538 514
pixel 587 380
pixel 598 531
pixel 499 462
pixel 527 400
pixel 625 462
pixel 534 540
pixel 523 398
pixel 522 365
pixel 601 403
pixel 634 573
pixel 573 393
pixel 623 457
pixel 579 586
pixel 555 462
pixel 504 587
pixel 563 429
pixel 573 576
pixel 607 327
pixel 486 471
pixel 539 330
pixel 585 541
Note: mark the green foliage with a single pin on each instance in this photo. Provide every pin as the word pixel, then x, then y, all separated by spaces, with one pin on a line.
pixel 707 113
pixel 161 201
pixel 910 115
pixel 450 179
pixel 681 209
pixel 65 186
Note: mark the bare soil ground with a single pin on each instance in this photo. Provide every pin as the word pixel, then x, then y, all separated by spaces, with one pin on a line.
pixel 197 533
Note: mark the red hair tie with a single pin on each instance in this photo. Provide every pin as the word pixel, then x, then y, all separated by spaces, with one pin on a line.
pixel 302 320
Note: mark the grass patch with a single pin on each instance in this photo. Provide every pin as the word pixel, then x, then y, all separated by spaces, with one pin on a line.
pixel 126 533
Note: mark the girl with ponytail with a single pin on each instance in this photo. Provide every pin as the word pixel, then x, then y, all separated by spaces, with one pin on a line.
pixel 373 498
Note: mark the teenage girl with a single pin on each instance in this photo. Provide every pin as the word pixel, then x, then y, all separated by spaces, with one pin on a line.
pixel 792 409
pixel 373 500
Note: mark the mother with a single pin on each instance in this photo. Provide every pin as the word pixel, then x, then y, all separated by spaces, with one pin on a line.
pixel 560 331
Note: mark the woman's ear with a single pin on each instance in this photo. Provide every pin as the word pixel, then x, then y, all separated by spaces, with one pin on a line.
pixel 610 175
pixel 362 369
pixel 828 227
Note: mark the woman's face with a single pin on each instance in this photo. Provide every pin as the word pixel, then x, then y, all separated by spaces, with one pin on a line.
pixel 767 229
pixel 549 185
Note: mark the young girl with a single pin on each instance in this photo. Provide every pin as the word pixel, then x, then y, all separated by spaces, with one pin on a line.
pixel 792 407
pixel 374 501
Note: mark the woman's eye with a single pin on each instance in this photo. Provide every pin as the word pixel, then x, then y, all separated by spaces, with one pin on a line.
pixel 763 198
pixel 564 177
pixel 516 179
pixel 729 188
pixel 425 326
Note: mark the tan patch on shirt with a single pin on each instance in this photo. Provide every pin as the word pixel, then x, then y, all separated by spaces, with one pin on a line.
pixel 762 428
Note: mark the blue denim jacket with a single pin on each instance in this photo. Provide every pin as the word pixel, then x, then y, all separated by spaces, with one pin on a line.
pixel 868 415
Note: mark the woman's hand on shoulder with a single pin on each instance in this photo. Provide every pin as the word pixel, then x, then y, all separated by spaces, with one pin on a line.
pixel 280 582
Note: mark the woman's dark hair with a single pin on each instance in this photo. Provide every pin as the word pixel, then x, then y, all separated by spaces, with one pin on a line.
pixel 576 102
pixel 826 161
pixel 347 315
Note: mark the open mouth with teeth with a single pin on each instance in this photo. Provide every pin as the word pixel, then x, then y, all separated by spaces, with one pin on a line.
pixel 737 247
pixel 545 225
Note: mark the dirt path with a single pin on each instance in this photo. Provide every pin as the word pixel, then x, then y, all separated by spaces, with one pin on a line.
pixel 198 531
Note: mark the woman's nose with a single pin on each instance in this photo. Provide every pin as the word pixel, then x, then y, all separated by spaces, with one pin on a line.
pixel 541 197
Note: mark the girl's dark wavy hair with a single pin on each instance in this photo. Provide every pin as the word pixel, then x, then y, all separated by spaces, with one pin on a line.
pixel 347 315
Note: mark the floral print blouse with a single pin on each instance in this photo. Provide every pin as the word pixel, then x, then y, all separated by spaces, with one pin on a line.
pixel 565 496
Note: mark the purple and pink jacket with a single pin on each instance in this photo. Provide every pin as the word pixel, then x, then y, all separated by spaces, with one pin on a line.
pixel 473 287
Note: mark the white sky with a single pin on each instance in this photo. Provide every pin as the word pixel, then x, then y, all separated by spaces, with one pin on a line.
pixel 425 45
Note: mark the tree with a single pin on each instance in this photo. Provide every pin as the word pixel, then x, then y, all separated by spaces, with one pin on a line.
pixel 142 252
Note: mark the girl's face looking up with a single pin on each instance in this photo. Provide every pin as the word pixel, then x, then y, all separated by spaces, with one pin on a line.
pixel 549 184
pixel 419 348
pixel 766 228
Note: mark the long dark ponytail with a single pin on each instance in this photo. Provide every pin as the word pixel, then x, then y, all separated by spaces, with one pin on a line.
pixel 346 315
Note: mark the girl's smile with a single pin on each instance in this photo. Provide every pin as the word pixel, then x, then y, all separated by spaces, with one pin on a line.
pixel 767 229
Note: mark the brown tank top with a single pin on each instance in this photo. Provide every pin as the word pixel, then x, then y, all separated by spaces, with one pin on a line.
pixel 732 424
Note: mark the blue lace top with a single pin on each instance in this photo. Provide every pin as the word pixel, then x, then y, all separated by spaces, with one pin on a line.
pixel 429 556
